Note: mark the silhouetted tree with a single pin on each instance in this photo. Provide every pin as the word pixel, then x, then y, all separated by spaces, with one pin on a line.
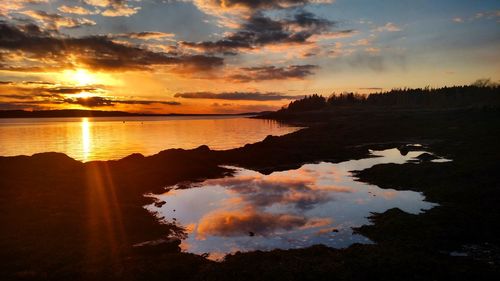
pixel 482 92
pixel 312 102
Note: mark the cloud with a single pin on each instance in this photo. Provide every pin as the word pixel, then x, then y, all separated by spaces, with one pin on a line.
pixel 372 89
pixel 147 102
pixel 104 3
pixel 145 35
pixel 90 101
pixel 301 191
pixel 259 30
pixel 43 89
pixel 95 52
pixel 17 106
pixel 487 15
pixel 362 42
pixel 33 93
pixel 372 50
pixel 254 96
pixel 120 11
pixel 219 7
pixel 97 101
pixel 46 93
pixel 70 90
pixel 56 21
pixel 333 35
pixel 77 10
pixel 263 73
pixel 114 8
pixel 375 61
pixel 240 223
pixel 15 5
pixel 389 27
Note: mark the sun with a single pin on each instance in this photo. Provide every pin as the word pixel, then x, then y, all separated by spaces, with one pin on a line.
pixel 80 77
pixel 83 77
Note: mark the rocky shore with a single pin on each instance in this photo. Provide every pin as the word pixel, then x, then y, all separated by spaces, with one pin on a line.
pixel 65 219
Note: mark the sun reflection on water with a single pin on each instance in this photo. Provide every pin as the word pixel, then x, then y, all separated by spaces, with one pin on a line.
pixel 86 147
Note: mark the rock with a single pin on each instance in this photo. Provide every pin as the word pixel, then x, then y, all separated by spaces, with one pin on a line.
pixel 403 150
pixel 426 157
pixel 159 204
pixel 269 138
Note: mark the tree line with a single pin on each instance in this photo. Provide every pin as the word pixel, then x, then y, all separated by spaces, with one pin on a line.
pixel 483 92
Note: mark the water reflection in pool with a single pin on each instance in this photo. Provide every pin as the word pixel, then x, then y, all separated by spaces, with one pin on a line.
pixel 315 204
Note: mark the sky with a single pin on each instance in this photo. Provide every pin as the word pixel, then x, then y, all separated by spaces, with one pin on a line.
pixel 234 56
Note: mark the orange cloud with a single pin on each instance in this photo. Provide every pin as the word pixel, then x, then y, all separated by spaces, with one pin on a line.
pixel 77 10
pixel 56 21
pixel 241 223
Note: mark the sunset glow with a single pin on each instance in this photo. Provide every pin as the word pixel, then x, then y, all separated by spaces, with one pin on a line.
pixel 235 56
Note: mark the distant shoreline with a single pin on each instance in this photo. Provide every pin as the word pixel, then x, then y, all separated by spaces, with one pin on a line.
pixel 98 113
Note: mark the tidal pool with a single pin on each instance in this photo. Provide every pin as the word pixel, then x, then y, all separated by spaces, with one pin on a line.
pixel 315 204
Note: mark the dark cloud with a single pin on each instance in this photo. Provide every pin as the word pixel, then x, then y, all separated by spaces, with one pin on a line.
pixel 90 101
pixel 17 97
pixel 103 101
pixel 145 35
pixel 17 106
pixel 96 52
pixel 260 30
pixel 24 101
pixel 273 73
pixel 70 90
pixel 147 102
pixel 43 89
pixel 260 192
pixel 255 96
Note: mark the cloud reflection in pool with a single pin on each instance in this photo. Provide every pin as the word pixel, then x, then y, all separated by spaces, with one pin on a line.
pixel 315 204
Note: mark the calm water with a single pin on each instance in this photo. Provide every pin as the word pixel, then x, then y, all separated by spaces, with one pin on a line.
pixel 116 137
pixel 315 204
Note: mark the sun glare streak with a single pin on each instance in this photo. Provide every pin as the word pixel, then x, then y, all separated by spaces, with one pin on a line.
pixel 105 225
pixel 86 147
